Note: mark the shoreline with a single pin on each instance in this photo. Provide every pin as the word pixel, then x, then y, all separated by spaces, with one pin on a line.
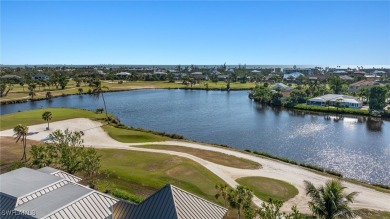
pixel 370 197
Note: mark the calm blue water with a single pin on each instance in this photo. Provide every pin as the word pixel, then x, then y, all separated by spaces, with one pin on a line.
pixel 358 147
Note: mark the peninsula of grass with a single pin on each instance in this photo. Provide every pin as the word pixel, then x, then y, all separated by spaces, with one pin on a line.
pixel 132 136
pixel 212 156
pixel 34 117
pixel 266 188
pixel 372 214
pixel 143 173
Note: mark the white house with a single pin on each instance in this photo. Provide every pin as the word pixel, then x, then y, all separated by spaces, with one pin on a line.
pixel 41 76
pixel 344 100
pixel 123 74
pixel 282 87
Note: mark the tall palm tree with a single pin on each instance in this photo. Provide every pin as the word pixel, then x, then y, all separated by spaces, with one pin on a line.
pixel 222 191
pixel 98 90
pixel 47 116
pixel 329 201
pixel 21 132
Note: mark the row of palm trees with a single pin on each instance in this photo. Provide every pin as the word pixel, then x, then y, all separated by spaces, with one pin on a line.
pixel 327 202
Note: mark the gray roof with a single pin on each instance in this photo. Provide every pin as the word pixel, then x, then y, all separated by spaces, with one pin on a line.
pixel 170 202
pixel 53 201
pixel 23 181
pixel 44 195
pixel 60 173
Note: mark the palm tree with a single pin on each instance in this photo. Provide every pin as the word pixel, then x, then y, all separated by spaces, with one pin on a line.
pixel 98 90
pixel 329 201
pixel 47 116
pixel 21 132
pixel 239 198
pixel 222 191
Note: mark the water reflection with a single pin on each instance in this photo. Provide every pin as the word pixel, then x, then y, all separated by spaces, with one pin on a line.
pixel 374 124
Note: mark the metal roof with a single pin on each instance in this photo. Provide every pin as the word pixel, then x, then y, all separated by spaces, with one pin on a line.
pixel 23 181
pixel 170 202
pixel 60 173
pixel 53 201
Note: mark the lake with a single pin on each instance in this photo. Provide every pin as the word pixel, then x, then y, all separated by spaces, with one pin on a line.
pixel 358 147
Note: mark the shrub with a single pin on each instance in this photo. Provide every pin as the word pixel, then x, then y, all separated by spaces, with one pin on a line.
pixel 120 82
pixel 332 109
pixel 126 196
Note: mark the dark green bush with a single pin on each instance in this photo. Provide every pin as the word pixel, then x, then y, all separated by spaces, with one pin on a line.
pixel 126 196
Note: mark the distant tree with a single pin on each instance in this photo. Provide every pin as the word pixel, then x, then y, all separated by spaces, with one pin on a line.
pixel 5 89
pixel 336 84
pixel 277 99
pixel 63 81
pixel 22 84
pixel 21 132
pixel 98 90
pixel 47 116
pixel 329 201
pixel 31 89
pixel 377 98
pixel 80 90
pixel 49 95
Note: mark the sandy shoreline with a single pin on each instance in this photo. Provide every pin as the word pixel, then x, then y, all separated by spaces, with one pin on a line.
pixel 295 175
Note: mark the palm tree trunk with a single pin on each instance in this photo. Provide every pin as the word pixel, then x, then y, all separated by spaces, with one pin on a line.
pixel 105 107
pixel 48 127
pixel 24 147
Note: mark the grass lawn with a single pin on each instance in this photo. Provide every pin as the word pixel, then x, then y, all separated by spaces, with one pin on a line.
pixel 372 214
pixel 266 188
pixel 142 173
pixel 10 151
pixel 34 117
pixel 215 157
pixel 132 136
pixel 18 92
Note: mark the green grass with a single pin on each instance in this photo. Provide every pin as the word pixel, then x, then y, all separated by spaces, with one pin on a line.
pixel 132 136
pixel 142 173
pixel 266 188
pixel 372 214
pixel 332 109
pixel 34 117
pixel 212 156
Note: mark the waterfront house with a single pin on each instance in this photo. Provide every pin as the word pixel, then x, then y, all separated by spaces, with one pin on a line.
pixel 255 72
pixel 222 77
pixel 346 78
pixel 340 72
pixel 344 100
pixel 306 71
pixel 51 193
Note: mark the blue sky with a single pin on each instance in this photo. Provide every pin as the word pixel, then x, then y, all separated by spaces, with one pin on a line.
pixel 196 32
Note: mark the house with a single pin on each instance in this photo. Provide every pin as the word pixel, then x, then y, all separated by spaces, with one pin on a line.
pixel 159 73
pixel 222 77
pixel 306 71
pixel 354 87
pixel 282 87
pixel 340 72
pixel 292 76
pixel 346 78
pixel 344 100
pixel 230 70
pixel 123 74
pixel 51 193
pixel 199 76
pixel 169 202
pixel 14 77
pixel 255 72
pixel 40 76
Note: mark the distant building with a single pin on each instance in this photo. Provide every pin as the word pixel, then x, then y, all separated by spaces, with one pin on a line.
pixel 199 76
pixel 51 193
pixel 282 87
pixel 306 71
pixel 340 72
pixel 344 100
pixel 346 77
pixel 292 76
pixel 40 76
pixel 123 74
pixel 354 87
pixel 159 73
pixel 222 77
pixel 255 72
pixel 15 77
